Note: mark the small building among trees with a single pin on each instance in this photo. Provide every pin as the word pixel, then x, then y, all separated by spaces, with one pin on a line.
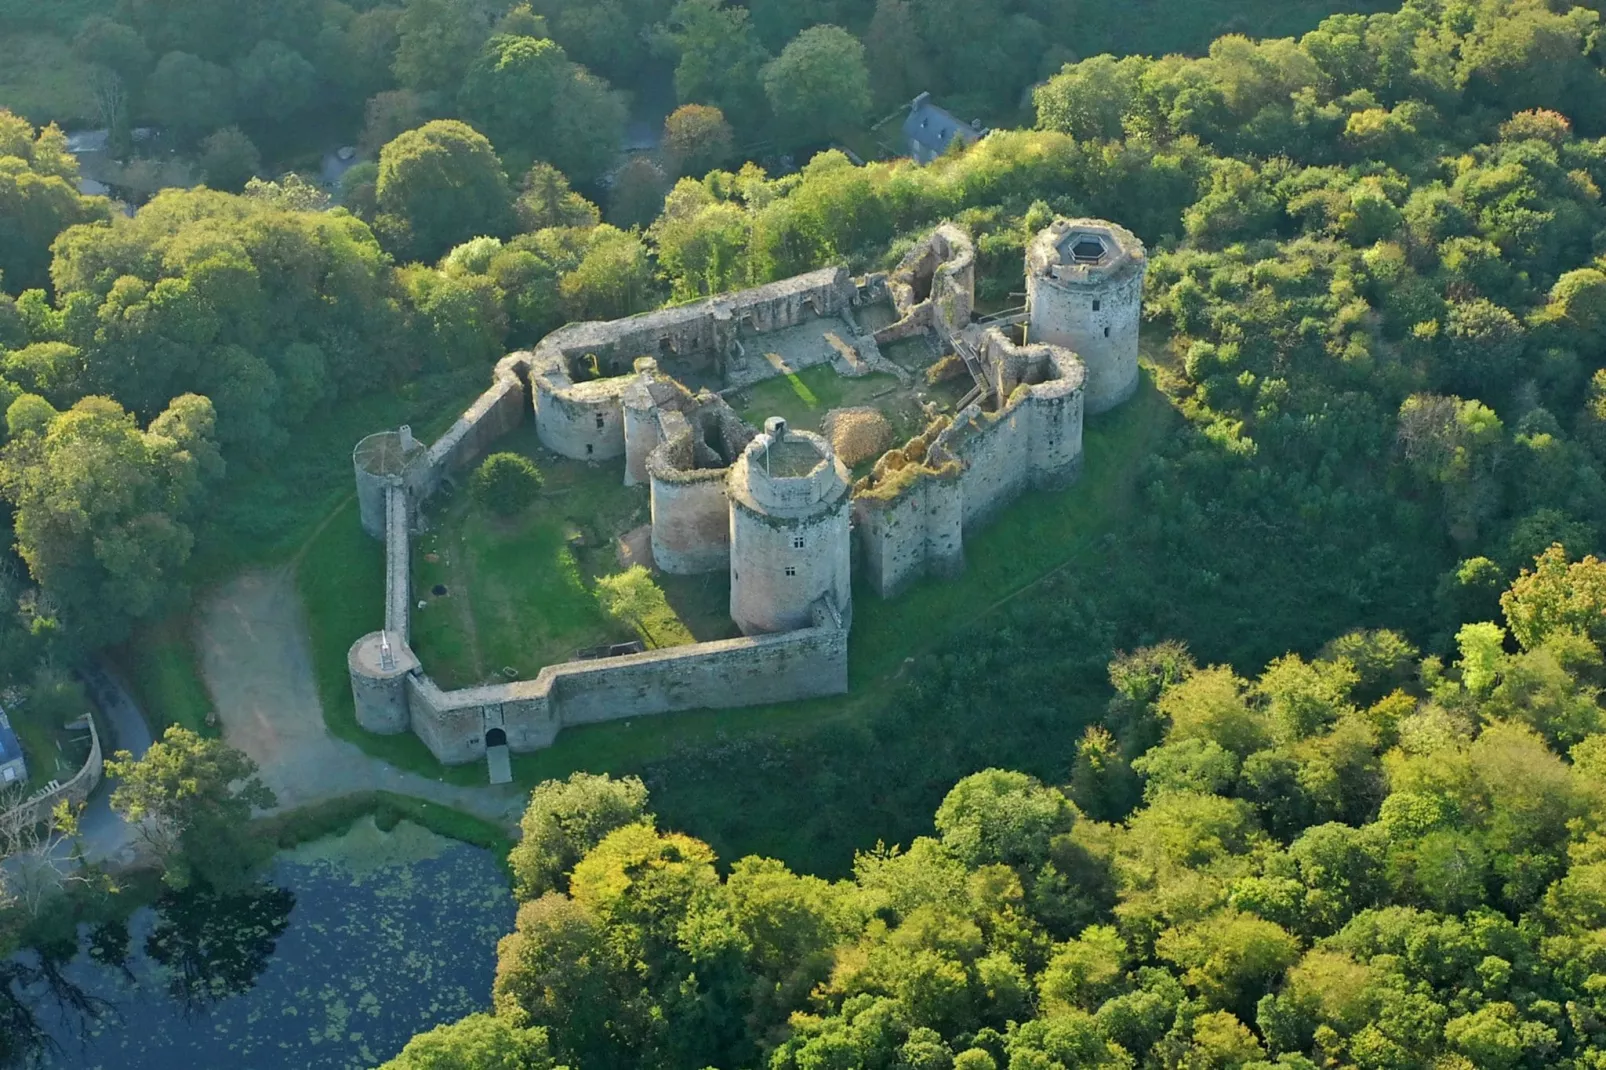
pixel 13 769
pixel 929 130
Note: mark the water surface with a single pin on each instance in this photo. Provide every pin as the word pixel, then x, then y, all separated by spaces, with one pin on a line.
pixel 352 945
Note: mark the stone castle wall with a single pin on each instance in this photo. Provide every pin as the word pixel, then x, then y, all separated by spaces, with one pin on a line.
pixel 811 662
pixel 1029 434
pixel 493 414
pixel 977 465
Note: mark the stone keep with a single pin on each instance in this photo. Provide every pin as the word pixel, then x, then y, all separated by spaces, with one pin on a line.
pixel 789 506
pixel 1084 291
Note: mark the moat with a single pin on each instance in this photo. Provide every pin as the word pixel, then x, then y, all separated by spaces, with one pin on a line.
pixel 349 946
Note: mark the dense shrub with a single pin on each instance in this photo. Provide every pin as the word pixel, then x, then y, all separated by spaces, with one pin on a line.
pixel 506 483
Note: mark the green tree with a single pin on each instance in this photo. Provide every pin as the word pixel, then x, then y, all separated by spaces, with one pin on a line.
pixel 38 199
pixel 614 277
pixel 274 82
pixel 999 816
pixel 564 820
pixel 192 800
pixel 505 483
pixel 1556 596
pixel 191 95
pixel 440 185
pixel 438 39
pixel 102 507
pixel 697 139
pixel 1089 100
pixel 526 94
pixel 818 87
pixel 478 1042
pixel 719 60
pixel 229 159
pixel 545 200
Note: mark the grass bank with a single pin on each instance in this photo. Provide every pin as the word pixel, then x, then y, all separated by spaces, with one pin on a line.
pixel 388 809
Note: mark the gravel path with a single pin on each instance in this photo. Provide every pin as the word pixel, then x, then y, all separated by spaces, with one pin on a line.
pixel 252 640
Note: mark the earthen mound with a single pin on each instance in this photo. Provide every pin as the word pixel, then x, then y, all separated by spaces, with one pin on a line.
pixel 857 434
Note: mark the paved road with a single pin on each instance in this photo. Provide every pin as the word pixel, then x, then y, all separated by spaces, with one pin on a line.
pixel 254 654
pixel 107 837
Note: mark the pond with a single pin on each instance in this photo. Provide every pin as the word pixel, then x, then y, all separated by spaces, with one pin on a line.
pixel 353 944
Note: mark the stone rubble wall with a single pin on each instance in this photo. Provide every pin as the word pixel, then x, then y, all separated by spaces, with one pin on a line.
pixel 948 257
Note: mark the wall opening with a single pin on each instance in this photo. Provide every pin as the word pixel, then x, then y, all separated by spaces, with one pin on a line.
pixel 791 570
pixel 1106 332
pixel 1095 304
pixel 590 449
pixel 496 738
pixel 600 421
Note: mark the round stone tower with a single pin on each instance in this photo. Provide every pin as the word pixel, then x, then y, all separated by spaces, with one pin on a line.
pixel 1084 291
pixel 789 504
pixel 379 664
pixel 381 460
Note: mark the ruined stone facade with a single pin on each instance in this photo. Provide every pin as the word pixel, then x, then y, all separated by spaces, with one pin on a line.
pixel 778 509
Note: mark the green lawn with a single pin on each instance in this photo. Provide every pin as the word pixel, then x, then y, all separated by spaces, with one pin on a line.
pixel 803 398
pixel 160 664
pixel 521 591
pixel 52 751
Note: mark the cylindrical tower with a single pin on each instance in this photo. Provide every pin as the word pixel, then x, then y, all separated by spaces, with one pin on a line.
pixel 379 664
pixel 789 504
pixel 1084 291
pixel 380 460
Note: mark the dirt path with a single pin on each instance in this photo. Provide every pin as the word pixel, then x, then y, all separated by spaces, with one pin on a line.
pixel 252 640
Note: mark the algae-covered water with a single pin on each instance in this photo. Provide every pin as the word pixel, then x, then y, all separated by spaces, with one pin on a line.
pixel 350 946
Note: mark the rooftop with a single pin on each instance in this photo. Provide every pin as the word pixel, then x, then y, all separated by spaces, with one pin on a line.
pixel 934 128
pixel 10 746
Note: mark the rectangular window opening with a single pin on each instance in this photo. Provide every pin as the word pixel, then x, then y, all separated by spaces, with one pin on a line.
pixel 1106 332
pixel 589 449
pixel 1095 304
pixel 797 542
pixel 791 570
pixel 599 421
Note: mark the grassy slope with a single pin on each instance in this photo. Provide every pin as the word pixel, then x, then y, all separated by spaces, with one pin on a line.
pixel 267 514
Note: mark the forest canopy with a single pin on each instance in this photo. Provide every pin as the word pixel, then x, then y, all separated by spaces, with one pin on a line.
pixel 1367 859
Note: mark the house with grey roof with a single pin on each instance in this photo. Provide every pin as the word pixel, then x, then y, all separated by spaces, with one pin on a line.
pixel 930 130
pixel 13 769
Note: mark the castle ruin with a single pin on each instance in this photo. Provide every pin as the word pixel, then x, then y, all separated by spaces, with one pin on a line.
pixel 775 507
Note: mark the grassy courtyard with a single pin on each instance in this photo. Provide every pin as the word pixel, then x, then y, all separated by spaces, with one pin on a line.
pixel 499 598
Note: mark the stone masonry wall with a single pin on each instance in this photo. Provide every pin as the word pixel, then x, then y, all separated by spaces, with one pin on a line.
pixel 915 534
pixel 492 415
pixel 808 663
pixel 36 811
pixel 398 567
